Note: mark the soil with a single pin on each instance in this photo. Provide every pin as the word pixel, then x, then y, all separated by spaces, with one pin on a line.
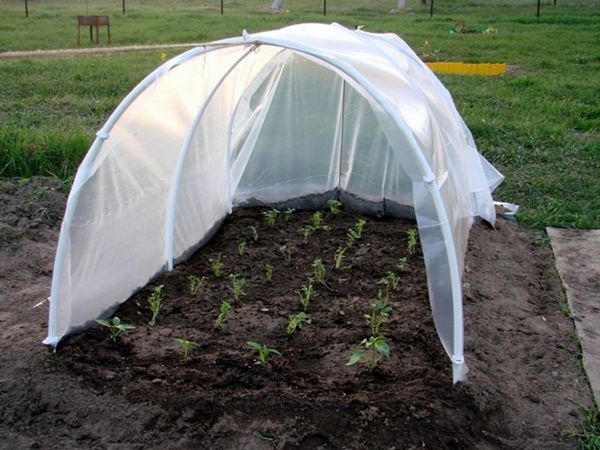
pixel 524 389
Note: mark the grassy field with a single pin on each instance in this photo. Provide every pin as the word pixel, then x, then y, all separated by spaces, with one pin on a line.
pixel 539 124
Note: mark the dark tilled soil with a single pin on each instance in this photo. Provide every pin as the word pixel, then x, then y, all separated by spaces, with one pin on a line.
pixel 524 387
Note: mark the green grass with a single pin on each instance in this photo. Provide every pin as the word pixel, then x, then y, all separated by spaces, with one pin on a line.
pixel 539 124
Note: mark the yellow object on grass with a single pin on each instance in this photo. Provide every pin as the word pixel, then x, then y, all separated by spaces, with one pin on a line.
pixel 468 69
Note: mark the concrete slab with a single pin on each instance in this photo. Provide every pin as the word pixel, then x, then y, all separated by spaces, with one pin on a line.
pixel 577 254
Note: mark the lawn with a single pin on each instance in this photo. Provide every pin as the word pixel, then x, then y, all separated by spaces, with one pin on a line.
pixel 539 124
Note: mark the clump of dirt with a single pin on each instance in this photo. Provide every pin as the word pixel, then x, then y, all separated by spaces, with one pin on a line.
pixel 523 389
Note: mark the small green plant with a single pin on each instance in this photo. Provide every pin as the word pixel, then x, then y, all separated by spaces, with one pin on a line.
pixel 372 349
pixel 287 214
pixel 390 283
pixel 263 352
pixel 253 233
pixel 340 254
pixel 588 428
pixel 402 265
pixel 335 207
pixel 223 313
pixel 185 346
pixel 242 248
pixel 155 302
pixel 354 234
pixel 286 252
pixel 316 222
pixel 296 322
pixel 319 270
pixel 238 284
pixel 195 283
pixel 271 217
pixel 306 232
pixel 306 292
pixel 115 327
pixel 380 312
pixel 412 241
pixel 216 266
pixel 269 272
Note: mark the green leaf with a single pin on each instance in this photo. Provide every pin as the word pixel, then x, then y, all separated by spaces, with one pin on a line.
pixel 254 345
pixel 383 349
pixel 356 357
pixel 104 323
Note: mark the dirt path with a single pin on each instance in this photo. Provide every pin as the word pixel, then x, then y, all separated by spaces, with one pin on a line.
pixel 524 388
pixel 31 54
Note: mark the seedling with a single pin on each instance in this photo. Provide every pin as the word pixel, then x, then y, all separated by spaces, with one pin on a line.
pixel 316 221
pixel 297 321
pixel 269 272
pixel 380 312
pixel 319 269
pixel 340 254
pixel 306 292
pixel 390 283
pixel 271 217
pixel 286 252
pixel 263 352
pixel 355 233
pixel 238 284
pixel 195 283
pixel 372 349
pixel 287 214
pixel 412 241
pixel 185 346
pixel 216 266
pixel 253 232
pixel 402 265
pixel 155 302
pixel 242 248
pixel 115 327
pixel 223 313
pixel 335 207
pixel 306 231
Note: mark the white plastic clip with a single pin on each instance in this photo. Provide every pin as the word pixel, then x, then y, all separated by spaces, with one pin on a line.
pixel 245 35
pixel 429 178
pixel 102 135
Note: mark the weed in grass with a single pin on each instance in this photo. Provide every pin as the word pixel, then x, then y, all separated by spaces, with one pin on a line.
pixel 296 322
pixel 223 313
pixel 253 233
pixel 155 302
pixel 195 283
pixel 263 352
pixel 588 429
pixel 412 241
pixel 287 214
pixel 340 254
pixel 271 217
pixel 319 270
pixel 269 272
pixel 216 266
pixel 306 292
pixel 335 207
pixel 237 285
pixel 372 349
pixel 185 346
pixel 242 248
pixel 115 327
pixel 286 252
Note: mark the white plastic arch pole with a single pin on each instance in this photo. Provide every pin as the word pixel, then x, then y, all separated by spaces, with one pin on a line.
pixel 171 207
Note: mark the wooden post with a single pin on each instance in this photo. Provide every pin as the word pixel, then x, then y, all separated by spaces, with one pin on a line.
pixel 26 9
pixel 123 7
pixel 431 9
pixel 324 7
pixel 221 7
pixel 538 8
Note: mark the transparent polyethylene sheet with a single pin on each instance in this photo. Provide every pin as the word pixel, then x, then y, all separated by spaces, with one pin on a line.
pixel 306 110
